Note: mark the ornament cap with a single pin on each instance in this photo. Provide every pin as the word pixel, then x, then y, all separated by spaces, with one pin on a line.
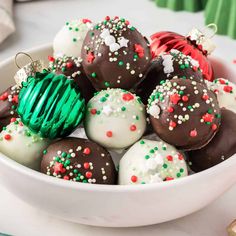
pixel 202 38
pixel 29 69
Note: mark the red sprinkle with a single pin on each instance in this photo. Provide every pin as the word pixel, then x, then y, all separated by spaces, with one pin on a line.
pixel 88 174
pixel 134 178
pixel 133 127
pixel 139 49
pixel 58 167
pixel 172 124
pixel 4 96
pixel 15 99
pixel 50 58
pixel 13 120
pixel 93 111
pixel 127 22
pixel 195 68
pixel 169 158
pixel 7 137
pixel 86 21
pixel 174 98
pixel 193 133
pixel 170 109
pixel 180 156
pixel 168 178
pixel 87 151
pixel 185 98
pixel 107 18
pixel 216 91
pixel 66 177
pixel 214 127
pixel 69 65
pixel 86 165
pixel 90 57
pixel 208 117
pixel 109 134
pixel 205 97
pixel 128 97
pixel 228 89
pixel 222 81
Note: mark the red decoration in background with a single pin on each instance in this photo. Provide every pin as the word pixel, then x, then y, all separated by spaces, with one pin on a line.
pixel 164 41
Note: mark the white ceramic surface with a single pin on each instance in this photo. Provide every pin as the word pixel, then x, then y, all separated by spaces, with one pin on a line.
pixel 117 206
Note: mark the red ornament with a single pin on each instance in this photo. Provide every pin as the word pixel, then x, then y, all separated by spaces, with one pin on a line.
pixel 196 45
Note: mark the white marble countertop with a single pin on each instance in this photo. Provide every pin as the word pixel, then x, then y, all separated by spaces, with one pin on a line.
pixel 37 22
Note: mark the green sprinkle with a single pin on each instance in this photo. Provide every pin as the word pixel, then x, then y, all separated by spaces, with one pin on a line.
pixel 137 118
pixel 164 148
pixel 67 23
pixel 45 152
pixel 98 112
pixel 106 95
pixel 135 56
pixel 142 142
pixel 181 170
pixel 132 28
pixel 156 148
pixel 190 107
pixel 76 29
pixel 147 157
pixel 68 155
pixel 217 115
pixel 67 162
pixel 63 69
pixel 96 27
pixel 13 107
pixel 70 28
pixel 209 111
pixel 57 158
pixel 123 108
pixel 182 66
pixel 121 63
pixel 74 39
pixel 85 181
pixel 64 154
pixel 178 175
pixel 16 122
pixel 92 34
pixel 143 182
pixel 75 171
pixel 208 123
pixel 94 75
pixel 184 77
pixel 165 165
pixel 77 178
pixel 181 92
pixel 152 151
pixel 162 82
pixel 103 99
pixel 186 65
pixel 107 84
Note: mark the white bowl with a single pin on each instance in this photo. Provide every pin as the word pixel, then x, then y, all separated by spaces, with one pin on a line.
pixel 113 206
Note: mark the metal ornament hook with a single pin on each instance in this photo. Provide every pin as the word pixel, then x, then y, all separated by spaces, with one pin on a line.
pixel 210 30
pixel 22 53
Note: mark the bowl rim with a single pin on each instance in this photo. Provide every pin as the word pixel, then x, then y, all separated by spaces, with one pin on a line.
pixel 100 187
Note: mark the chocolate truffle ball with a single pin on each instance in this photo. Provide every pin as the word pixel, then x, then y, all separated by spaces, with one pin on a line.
pixel 69 39
pixel 225 92
pixel 72 68
pixel 8 105
pixel 115 118
pixel 115 54
pixel 149 161
pixel 168 66
pixel 79 160
pixel 20 144
pixel 184 113
pixel 221 147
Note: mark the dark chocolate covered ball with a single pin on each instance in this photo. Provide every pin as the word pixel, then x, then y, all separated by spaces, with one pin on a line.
pixel 115 54
pixel 221 147
pixel 8 105
pixel 168 66
pixel 184 113
pixel 72 68
pixel 79 160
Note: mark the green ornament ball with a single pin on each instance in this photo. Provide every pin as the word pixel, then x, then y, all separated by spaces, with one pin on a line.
pixel 51 105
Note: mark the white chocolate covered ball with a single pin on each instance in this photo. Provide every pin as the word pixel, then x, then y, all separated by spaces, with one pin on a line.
pixel 149 161
pixel 115 118
pixel 69 39
pixel 225 92
pixel 20 144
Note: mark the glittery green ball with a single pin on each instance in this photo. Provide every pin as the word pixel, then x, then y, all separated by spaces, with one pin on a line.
pixel 51 105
